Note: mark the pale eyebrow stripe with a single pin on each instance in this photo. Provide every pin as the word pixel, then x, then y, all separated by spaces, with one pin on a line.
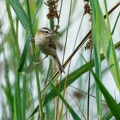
pixel 47 29
pixel 44 30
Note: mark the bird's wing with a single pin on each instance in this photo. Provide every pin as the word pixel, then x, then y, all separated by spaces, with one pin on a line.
pixel 52 43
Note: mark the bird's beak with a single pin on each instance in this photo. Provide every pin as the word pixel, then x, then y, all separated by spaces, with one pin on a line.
pixel 53 34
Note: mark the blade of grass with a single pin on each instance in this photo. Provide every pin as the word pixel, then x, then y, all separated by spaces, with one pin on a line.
pixel 96 49
pixel 24 54
pixel 20 13
pixel 9 88
pixel 18 99
pixel 24 98
pixel 13 32
pixel 116 23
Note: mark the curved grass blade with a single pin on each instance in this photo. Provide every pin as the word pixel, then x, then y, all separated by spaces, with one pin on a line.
pixel 20 13
pixel 24 53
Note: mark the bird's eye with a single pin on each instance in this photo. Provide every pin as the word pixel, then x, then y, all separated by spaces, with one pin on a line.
pixel 46 31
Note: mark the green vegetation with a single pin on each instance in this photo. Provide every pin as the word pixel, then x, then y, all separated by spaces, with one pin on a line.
pixel 29 92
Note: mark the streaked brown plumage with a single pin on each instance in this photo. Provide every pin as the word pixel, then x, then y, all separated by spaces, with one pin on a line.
pixel 44 41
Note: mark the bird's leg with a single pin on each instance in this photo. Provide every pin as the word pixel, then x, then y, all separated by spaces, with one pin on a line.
pixel 32 40
pixel 37 63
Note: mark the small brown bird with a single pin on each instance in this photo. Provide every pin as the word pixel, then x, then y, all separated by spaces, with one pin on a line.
pixel 45 42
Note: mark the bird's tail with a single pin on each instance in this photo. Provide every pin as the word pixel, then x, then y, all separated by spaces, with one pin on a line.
pixel 58 64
